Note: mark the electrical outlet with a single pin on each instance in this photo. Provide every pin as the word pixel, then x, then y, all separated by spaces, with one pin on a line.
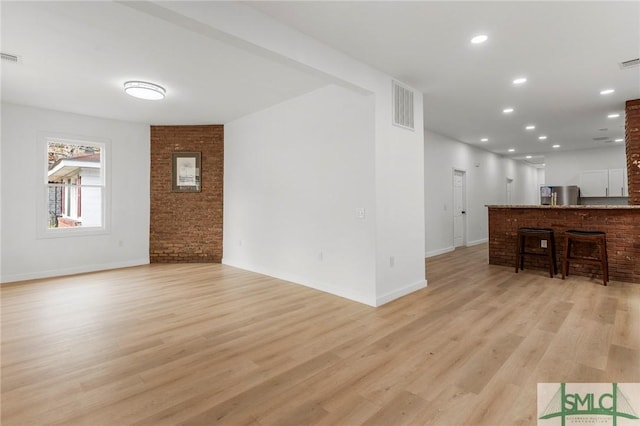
pixel 543 243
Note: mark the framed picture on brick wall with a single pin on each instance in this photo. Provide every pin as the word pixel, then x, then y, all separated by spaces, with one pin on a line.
pixel 185 172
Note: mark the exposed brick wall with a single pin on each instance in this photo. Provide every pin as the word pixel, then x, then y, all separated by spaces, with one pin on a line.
pixel 632 139
pixel 622 227
pixel 186 226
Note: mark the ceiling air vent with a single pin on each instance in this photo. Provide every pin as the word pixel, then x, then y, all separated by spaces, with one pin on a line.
pixel 630 63
pixel 402 106
pixel 8 57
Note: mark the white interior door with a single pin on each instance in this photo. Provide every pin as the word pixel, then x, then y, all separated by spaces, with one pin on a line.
pixel 459 223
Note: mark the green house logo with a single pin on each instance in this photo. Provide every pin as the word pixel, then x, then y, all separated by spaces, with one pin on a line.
pixel 586 403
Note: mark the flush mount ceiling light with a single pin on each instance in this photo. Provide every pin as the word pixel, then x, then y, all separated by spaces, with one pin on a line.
pixel 530 127
pixel 520 80
pixel 481 38
pixel 511 150
pixel 613 115
pixel 528 157
pixel 607 91
pixel 144 90
pixel 484 140
pixel 542 137
pixel 507 110
pixel 619 140
pixel 555 146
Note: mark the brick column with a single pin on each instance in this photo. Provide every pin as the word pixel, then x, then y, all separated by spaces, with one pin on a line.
pixel 632 139
pixel 186 227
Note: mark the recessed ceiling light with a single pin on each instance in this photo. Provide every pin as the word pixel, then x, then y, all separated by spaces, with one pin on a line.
pixel 607 91
pixel 530 127
pixel 619 140
pixel 507 110
pixel 613 115
pixel 144 90
pixel 511 149
pixel 481 38
pixel 484 139
pixel 555 146
pixel 520 80
pixel 543 137
pixel 528 156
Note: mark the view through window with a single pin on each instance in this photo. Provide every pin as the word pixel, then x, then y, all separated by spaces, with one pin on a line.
pixel 75 181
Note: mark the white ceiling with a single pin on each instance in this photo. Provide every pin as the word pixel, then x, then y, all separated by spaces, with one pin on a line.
pixel 74 56
pixel 568 51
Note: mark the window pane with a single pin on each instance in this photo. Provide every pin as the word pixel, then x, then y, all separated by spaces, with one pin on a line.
pixel 73 206
pixel 75 182
pixel 68 160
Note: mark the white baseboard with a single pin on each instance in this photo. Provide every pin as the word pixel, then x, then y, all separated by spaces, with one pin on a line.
pixel 450 249
pixel 401 292
pixel 476 242
pixel 327 287
pixel 82 269
pixel 439 251
pixel 304 281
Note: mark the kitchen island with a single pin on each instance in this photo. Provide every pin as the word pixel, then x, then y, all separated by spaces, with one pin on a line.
pixel 621 224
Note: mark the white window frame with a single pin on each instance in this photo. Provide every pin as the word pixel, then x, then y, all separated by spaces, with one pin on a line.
pixel 42 216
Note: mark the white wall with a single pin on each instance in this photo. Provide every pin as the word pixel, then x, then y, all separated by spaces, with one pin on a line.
pixel 486 176
pixel 392 165
pixel 399 200
pixel 398 159
pixel 563 168
pixel 542 177
pixel 24 255
pixel 295 175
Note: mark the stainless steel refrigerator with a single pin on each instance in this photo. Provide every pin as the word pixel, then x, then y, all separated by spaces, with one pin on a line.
pixel 560 195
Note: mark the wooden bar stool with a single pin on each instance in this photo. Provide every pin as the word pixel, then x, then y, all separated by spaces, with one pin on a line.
pixel 538 234
pixel 597 239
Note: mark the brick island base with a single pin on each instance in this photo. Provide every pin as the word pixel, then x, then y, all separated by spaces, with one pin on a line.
pixel 621 224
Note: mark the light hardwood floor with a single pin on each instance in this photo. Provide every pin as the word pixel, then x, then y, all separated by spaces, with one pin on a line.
pixel 206 344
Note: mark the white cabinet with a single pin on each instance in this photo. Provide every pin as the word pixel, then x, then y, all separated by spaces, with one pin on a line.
pixel 618 183
pixel 594 183
pixel 603 183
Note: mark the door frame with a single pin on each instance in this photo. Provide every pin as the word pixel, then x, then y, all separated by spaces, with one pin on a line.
pixel 509 191
pixel 464 206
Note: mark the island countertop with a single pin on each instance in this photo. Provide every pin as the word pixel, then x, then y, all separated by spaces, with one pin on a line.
pixel 581 206
pixel 621 223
